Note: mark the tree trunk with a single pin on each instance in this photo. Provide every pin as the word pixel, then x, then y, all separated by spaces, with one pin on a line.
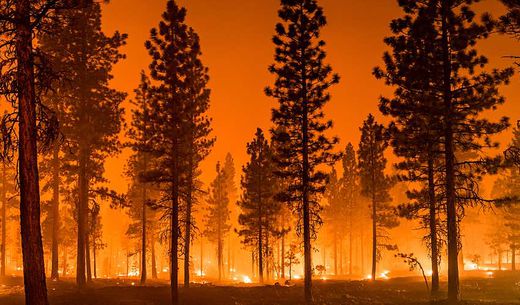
pixel 433 226
pixel 374 237
pixel 32 248
pixel 453 268
pixel 187 232
pixel 282 260
pixel 64 263
pixel 266 260
pixel 350 253
pixel 307 247
pixel 3 258
pixel 174 268
pixel 82 212
pixel 143 233
pixel 260 252
pixel 94 261
pixel 87 258
pixel 154 262
pixel 335 254
pixel 55 211
pixel 513 257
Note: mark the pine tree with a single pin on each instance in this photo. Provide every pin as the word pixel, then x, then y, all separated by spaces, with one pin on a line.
pixel 351 193
pixel 197 140
pixel 22 82
pixel 375 185
pixel 138 165
pixel 259 209
pixel 509 23
pixel 334 214
pixel 93 116
pixel 302 82
pixel 217 217
pixel 457 89
pixel 415 131
pixel 180 129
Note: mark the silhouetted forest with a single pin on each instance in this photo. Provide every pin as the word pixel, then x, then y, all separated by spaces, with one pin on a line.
pixel 423 207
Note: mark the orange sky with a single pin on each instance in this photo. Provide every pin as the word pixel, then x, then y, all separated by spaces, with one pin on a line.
pixel 236 42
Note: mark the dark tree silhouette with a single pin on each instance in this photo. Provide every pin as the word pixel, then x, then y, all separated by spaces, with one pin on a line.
pixel 217 217
pixel 259 209
pixel 91 123
pixel 375 185
pixel 197 141
pixel 23 77
pixel 302 81
pixel 415 131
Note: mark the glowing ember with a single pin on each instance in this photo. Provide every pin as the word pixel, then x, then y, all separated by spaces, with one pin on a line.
pixel 246 279
pixel 384 275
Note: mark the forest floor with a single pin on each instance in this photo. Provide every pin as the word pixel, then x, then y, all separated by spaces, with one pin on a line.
pixel 503 288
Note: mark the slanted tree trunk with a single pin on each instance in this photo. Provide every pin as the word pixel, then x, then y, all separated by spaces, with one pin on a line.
pixel 433 226
pixel 55 211
pixel 3 258
pixel 32 248
pixel 453 268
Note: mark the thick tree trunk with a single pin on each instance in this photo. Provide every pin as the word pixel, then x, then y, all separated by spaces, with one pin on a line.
pixel 453 268
pixel 32 248
pixel 3 258
pixel 433 226
pixel 55 211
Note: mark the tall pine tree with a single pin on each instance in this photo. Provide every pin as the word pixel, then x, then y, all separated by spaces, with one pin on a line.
pixel 217 217
pixel 301 85
pixel 259 209
pixel 376 185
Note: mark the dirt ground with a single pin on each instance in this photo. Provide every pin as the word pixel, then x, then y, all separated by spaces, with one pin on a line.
pixel 501 289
